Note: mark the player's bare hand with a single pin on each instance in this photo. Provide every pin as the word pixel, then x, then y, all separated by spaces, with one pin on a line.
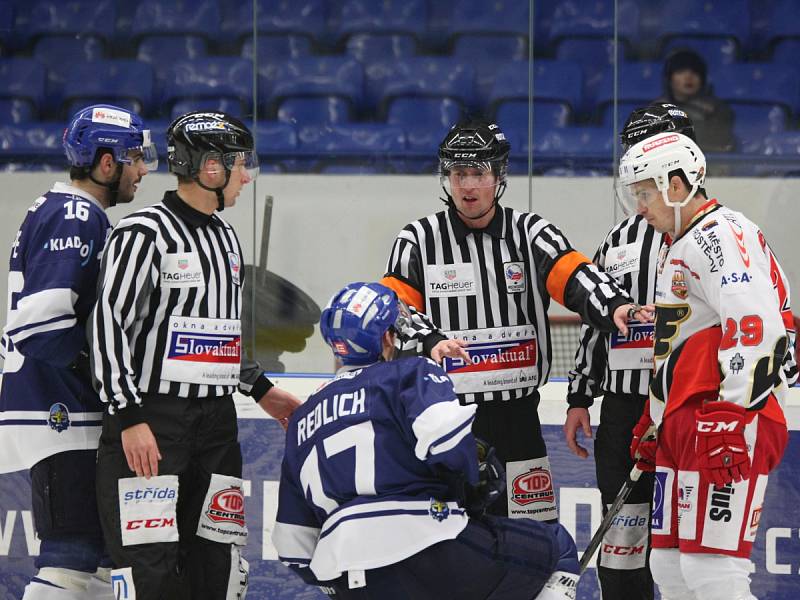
pixel 451 349
pixel 577 418
pixel 644 313
pixel 279 404
pixel 141 450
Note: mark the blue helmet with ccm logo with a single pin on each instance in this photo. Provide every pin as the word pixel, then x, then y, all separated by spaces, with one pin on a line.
pixel 106 126
pixel 355 320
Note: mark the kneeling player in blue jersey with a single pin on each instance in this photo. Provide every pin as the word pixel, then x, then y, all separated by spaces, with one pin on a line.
pixel 381 493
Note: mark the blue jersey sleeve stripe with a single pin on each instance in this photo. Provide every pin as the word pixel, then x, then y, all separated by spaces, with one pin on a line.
pixel 452 439
pixel 41 326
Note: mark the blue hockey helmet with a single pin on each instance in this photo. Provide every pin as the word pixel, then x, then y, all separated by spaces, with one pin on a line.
pixel 107 126
pixel 355 320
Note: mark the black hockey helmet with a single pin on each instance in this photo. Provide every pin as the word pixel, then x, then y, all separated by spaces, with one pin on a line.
pixel 656 118
pixel 475 142
pixel 197 136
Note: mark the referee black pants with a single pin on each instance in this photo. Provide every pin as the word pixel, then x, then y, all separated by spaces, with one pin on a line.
pixel 196 437
pixel 512 427
pixel 623 559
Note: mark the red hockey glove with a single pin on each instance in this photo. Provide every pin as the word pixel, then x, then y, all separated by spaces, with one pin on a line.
pixel 643 444
pixel 721 450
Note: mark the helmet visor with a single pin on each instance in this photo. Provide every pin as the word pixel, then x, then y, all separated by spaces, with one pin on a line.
pixel 638 194
pixel 233 162
pixel 147 154
pixel 468 176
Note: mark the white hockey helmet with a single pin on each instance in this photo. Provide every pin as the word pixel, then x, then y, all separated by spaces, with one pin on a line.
pixel 655 158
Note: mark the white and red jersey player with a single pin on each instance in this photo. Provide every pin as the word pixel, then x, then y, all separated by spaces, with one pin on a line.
pixel 724 358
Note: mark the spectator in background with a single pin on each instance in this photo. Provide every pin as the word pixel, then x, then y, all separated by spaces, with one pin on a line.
pixel 686 84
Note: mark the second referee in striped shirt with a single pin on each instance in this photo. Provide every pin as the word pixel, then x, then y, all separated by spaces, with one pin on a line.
pixel 485 274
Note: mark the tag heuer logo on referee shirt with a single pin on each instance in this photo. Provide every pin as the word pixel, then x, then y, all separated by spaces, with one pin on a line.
pixel 449 274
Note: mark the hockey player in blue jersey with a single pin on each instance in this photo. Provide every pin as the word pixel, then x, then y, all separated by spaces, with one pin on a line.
pixel 50 416
pixel 381 493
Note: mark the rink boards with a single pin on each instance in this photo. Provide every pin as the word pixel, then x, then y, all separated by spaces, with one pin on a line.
pixel 776 555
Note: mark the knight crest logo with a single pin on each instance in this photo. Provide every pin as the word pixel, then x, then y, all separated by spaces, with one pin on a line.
pixel 183 263
pixel 439 510
pixel 58 419
pixel 514 272
pixel 449 274
pixel 679 287
pixel 536 485
pixel 227 506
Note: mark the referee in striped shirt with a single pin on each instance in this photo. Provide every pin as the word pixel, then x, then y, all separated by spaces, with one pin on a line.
pixel 167 340
pixel 485 274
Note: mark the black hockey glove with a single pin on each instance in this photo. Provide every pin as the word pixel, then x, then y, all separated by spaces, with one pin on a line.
pixel 491 481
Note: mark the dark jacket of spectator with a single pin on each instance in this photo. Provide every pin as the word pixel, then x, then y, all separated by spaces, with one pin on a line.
pixel 686 84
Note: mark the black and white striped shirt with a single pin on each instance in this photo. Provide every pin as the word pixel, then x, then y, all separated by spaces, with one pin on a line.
pixel 167 320
pixel 492 287
pixel 629 253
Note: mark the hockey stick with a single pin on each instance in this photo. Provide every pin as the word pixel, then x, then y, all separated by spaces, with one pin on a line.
pixel 615 507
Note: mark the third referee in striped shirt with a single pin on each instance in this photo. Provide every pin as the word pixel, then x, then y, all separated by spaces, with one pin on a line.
pixel 485 274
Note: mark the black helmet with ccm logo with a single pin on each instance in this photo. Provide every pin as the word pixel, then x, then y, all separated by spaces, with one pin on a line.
pixel 475 143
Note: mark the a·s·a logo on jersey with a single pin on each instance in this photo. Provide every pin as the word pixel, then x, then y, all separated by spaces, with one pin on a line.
pixel 58 418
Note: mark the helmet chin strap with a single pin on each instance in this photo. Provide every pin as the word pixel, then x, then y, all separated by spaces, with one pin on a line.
pixel 501 188
pixel 217 190
pixel 676 208
pixel 112 186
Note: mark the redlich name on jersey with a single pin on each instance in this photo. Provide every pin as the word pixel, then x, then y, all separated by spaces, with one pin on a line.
pixel 330 410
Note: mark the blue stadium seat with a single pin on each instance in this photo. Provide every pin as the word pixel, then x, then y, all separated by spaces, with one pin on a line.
pixel 639 82
pixel 74 18
pixel 277 46
pixel 786 143
pixel 442 77
pixel 6 24
pixel 513 114
pixel 24 80
pixel 33 142
pixel 209 77
pixel 553 80
pixel 753 122
pixel 179 17
pixel 498 16
pixel 226 104
pixel 776 20
pixel 322 110
pixel 718 52
pixel 624 109
pixel 721 18
pixel 128 83
pixel 309 77
pixel 492 47
pixel 436 114
pixel 593 54
pixel 594 18
pixel 786 51
pixel 277 146
pixel 14 111
pixel 386 16
pixel 578 141
pixel 758 83
pixel 378 46
pixel 154 49
pixel 363 144
pixel 301 17
pixel 57 51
